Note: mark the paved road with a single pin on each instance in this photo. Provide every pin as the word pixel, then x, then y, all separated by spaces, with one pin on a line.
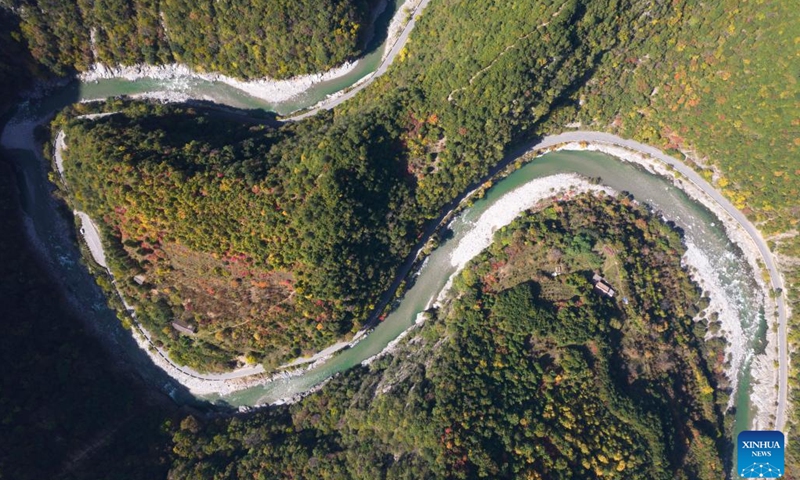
pixel 88 228
pixel 92 237
pixel 401 41
pixel 398 45
pixel 774 274
pixel 549 141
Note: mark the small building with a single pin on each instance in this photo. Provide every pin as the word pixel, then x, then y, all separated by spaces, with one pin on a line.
pixel 140 279
pixel 602 286
pixel 183 327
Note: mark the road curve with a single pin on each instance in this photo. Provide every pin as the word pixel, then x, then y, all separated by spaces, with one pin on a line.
pixel 329 104
pixel 92 238
pixel 548 141
pixel 591 137
pixel 158 355
pixel 607 138
pixel 398 45
pixel 774 274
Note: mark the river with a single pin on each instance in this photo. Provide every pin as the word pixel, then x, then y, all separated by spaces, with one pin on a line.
pixel 56 239
pixel 701 228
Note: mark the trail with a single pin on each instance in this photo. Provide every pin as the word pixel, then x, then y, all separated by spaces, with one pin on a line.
pixel 497 58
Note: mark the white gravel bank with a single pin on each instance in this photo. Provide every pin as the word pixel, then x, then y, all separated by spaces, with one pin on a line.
pixel 265 89
pixel 322 354
pixel 502 213
pixel 165 96
pixel 499 215
pixel 509 207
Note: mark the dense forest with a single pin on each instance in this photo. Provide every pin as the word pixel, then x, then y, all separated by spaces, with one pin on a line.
pixel 17 67
pixel 456 110
pixel 241 38
pixel 521 375
pixel 716 85
pixel 269 243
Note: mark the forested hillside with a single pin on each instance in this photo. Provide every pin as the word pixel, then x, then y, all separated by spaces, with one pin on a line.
pixel 240 38
pixel 522 375
pixel 718 83
pixel 268 243
pixel 713 83
pixel 17 67
pixel 469 86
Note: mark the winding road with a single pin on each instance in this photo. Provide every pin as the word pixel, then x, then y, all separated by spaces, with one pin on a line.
pixel 181 373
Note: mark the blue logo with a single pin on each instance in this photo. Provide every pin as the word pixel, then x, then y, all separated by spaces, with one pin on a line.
pixel 760 454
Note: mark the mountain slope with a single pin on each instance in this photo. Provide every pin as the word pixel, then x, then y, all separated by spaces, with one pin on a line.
pixel 240 38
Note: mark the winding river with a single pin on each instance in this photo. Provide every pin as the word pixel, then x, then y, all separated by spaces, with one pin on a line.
pixel 702 229
pixel 725 265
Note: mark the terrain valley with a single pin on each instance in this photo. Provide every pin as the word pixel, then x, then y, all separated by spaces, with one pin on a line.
pixel 397 238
